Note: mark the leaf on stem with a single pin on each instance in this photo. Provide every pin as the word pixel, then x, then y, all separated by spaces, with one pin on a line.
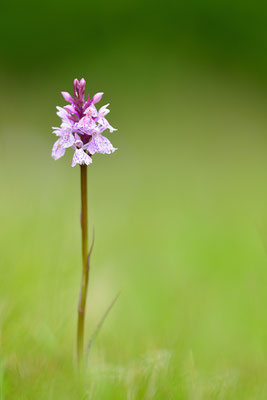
pixel 99 325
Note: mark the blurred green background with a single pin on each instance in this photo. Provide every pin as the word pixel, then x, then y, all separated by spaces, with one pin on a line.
pixel 180 210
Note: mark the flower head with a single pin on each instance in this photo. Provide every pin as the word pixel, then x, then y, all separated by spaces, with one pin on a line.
pixel 82 126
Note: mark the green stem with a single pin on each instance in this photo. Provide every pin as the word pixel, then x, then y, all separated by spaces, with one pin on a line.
pixel 85 269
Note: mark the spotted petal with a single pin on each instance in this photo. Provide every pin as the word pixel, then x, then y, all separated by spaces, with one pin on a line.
pixel 80 157
pixel 63 114
pixel 86 125
pixel 105 124
pixel 67 138
pixel 58 151
pixel 100 144
pixel 103 111
pixel 91 111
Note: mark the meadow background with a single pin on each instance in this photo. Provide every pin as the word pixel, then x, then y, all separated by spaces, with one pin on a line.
pixel 180 210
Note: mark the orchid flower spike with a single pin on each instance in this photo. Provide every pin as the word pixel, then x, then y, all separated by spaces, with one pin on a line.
pixel 82 126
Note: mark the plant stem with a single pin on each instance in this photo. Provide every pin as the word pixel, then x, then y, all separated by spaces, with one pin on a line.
pixel 85 267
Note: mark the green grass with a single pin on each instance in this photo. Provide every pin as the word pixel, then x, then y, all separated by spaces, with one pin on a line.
pixel 180 219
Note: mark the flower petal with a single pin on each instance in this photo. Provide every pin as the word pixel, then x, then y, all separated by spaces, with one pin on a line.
pixel 100 144
pixel 86 125
pixel 91 111
pixel 56 130
pixel 62 113
pixel 97 97
pixel 81 90
pixel 67 97
pixel 105 124
pixel 80 157
pixel 58 151
pixel 78 141
pixel 67 138
pixel 103 111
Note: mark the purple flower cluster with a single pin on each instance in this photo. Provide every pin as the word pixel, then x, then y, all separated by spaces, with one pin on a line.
pixel 82 127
